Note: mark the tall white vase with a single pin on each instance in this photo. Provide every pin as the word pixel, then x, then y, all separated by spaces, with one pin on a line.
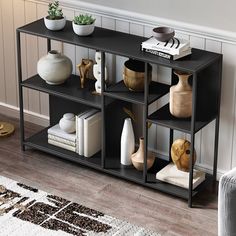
pixel 127 143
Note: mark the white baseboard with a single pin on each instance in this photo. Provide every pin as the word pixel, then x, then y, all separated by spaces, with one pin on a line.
pixel 13 111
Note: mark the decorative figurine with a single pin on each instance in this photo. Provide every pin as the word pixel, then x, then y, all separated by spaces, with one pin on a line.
pixel 97 72
pixel 84 68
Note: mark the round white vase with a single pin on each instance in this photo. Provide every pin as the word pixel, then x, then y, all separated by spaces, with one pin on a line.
pixel 83 30
pixel 67 123
pixel 55 24
pixel 127 143
pixel 54 68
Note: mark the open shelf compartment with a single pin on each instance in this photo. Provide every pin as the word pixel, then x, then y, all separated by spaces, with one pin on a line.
pixel 40 141
pixel 120 91
pixel 164 118
pixel 70 90
pixel 152 182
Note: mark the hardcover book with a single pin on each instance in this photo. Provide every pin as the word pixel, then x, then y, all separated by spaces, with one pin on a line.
pixel 174 46
pixel 61 145
pixel 168 56
pixel 61 140
pixel 92 134
pixel 57 131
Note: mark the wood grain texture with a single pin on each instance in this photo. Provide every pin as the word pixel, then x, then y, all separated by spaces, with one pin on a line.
pixel 142 206
pixel 2 69
pixel 32 56
pixel 9 52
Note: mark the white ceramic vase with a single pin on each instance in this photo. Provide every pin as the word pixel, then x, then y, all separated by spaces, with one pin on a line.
pixel 83 30
pixel 54 68
pixel 67 123
pixel 55 24
pixel 127 143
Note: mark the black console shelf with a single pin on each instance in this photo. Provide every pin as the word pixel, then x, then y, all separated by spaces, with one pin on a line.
pixel 204 66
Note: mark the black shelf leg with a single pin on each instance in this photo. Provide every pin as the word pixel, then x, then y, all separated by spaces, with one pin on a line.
pixel 103 63
pixel 170 143
pixel 22 131
pixel 145 115
pixel 217 124
pixel 193 119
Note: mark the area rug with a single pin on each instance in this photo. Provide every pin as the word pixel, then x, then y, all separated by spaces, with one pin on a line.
pixel 26 211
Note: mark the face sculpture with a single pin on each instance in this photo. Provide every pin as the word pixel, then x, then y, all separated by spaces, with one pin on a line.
pixel 180 154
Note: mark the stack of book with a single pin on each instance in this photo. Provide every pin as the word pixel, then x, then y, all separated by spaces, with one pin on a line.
pixel 172 49
pixel 59 138
pixel 88 132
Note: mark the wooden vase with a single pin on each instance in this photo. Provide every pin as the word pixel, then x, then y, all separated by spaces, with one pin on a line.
pixel 180 154
pixel 138 157
pixel 181 97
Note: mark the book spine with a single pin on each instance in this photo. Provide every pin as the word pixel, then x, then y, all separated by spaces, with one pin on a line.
pixel 61 140
pixel 158 53
pixel 161 49
pixel 61 145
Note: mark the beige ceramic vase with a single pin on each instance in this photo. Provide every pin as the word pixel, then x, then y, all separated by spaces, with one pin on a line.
pixel 137 158
pixel 181 97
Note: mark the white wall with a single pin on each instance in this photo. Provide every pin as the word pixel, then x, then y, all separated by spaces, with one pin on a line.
pixel 212 13
pixel 15 13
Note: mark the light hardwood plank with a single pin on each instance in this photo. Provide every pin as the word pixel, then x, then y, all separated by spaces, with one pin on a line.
pixel 2 67
pixel 9 52
pixel 32 56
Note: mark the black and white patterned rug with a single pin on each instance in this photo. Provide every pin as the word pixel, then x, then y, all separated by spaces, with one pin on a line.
pixel 26 211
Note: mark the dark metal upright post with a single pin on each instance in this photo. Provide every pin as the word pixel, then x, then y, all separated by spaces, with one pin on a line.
pixel 217 123
pixel 170 142
pixel 145 115
pixel 103 108
pixel 21 104
pixel 48 44
pixel 193 120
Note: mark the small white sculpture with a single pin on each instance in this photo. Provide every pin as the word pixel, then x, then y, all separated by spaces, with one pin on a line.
pixel 67 123
pixel 97 72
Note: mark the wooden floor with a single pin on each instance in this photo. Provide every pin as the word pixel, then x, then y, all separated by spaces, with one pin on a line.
pixel 125 200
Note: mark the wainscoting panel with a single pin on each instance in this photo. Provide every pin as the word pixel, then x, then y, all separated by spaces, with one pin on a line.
pixel 9 52
pixel 2 67
pixel 15 13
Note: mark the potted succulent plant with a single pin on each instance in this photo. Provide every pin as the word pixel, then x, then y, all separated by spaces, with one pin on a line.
pixel 55 19
pixel 83 24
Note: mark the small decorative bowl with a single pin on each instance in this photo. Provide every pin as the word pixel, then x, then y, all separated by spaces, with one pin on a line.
pixel 163 34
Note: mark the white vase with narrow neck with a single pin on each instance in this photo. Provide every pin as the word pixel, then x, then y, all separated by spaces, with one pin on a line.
pixel 127 143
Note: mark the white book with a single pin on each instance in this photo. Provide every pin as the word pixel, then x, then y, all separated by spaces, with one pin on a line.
pixel 174 46
pixel 81 118
pixel 57 131
pixel 61 145
pixel 77 129
pixel 92 134
pixel 172 175
pixel 168 56
pixel 61 140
